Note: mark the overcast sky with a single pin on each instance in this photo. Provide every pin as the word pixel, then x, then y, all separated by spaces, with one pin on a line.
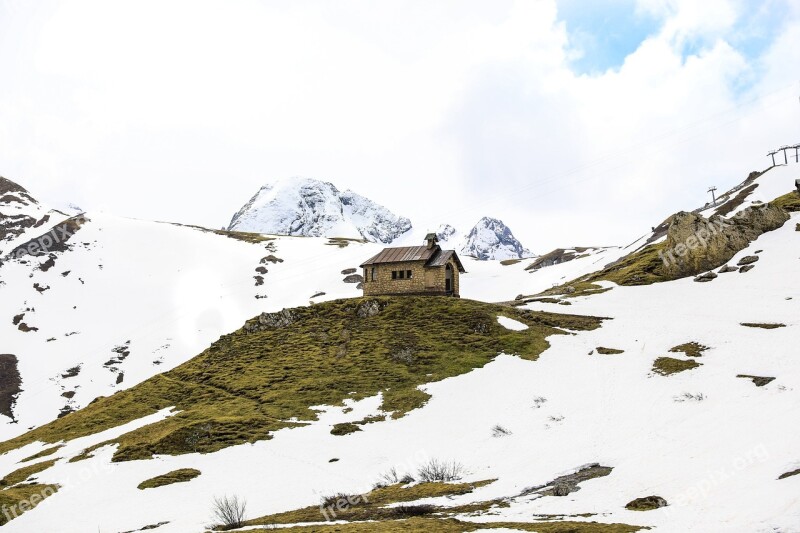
pixel 577 122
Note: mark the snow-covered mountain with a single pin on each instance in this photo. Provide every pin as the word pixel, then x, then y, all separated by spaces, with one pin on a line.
pixel 446 233
pixel 314 208
pixel 491 239
pixel 689 388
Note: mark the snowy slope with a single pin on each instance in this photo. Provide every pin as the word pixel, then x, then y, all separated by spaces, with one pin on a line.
pixel 712 444
pixel 309 207
pixel 156 294
pixel 771 183
pixel 714 456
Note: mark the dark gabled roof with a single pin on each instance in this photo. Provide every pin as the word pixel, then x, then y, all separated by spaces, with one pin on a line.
pixel 433 257
pixel 401 255
pixel 442 257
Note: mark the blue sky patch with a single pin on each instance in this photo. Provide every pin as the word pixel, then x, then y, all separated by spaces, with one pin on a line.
pixel 606 32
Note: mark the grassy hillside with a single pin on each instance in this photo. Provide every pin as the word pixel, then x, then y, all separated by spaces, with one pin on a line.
pixel 391 508
pixel 250 383
pixel 646 265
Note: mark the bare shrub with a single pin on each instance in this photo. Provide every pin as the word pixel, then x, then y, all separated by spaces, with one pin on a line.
pixel 436 470
pixel 339 498
pixel 392 477
pixel 230 511
pixel 500 431
pixel 689 397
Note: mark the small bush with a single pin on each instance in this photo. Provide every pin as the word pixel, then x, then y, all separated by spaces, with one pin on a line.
pixel 538 401
pixel 689 397
pixel 335 499
pixel 443 471
pixel 230 511
pixel 391 477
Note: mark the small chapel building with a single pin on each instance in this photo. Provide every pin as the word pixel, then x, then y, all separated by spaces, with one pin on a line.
pixel 416 270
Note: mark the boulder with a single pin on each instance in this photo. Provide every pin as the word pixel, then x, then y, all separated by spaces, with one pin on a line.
pixel 353 278
pixel 698 244
pixel 727 269
pixel 265 321
pixel 747 260
pixel 746 268
pixel 368 309
pixel 708 276
pixel 648 503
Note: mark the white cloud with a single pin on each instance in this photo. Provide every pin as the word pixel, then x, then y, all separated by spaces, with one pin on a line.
pixel 181 109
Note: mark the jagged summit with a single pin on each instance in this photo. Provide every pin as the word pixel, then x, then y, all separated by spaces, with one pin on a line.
pixel 490 238
pixel 18 210
pixel 313 208
pixel 445 232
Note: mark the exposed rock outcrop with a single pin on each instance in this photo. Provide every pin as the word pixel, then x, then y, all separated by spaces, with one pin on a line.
pixel 9 383
pixel 695 244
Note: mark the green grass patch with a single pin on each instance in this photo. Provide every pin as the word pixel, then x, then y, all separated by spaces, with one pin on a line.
pixel 343 242
pixel 788 202
pixel 87 453
pixel 608 351
pixel 345 428
pixel 575 288
pixel 642 267
pixel 691 349
pixel 451 525
pixel 252 382
pixel 20 475
pixel 378 511
pixel 181 475
pixel 245 236
pixel 667 366
pixel 43 453
pixel 369 506
pixel 17 500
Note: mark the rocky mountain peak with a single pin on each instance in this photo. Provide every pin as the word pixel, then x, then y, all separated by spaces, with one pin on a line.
pixel 490 238
pixel 313 208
